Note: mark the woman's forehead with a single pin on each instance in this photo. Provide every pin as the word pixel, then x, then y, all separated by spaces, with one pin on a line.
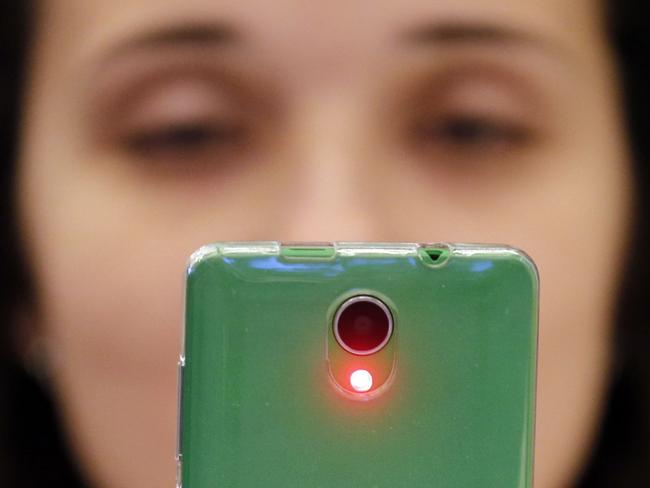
pixel 325 26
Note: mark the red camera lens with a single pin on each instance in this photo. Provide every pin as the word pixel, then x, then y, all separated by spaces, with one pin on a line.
pixel 363 325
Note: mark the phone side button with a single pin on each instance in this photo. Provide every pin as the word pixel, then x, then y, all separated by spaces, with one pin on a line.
pixel 179 407
pixel 179 472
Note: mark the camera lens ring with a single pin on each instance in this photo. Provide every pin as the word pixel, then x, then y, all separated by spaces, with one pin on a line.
pixel 356 300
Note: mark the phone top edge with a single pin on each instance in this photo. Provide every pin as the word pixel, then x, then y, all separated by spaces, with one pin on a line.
pixel 356 248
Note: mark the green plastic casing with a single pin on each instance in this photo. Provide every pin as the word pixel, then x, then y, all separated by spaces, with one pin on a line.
pixel 258 403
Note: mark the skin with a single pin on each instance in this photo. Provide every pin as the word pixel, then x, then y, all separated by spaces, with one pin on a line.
pixel 150 131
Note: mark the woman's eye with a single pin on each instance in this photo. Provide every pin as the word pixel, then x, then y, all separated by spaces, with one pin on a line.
pixel 185 139
pixel 471 134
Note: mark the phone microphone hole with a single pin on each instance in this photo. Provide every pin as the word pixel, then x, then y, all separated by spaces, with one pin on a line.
pixel 434 254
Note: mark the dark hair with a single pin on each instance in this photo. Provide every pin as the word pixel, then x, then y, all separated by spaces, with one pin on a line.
pixel 33 451
pixel 622 454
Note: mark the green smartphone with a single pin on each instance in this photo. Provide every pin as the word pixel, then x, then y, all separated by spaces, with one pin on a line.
pixel 361 365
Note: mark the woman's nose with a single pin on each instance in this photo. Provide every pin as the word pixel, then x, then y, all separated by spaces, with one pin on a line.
pixel 334 189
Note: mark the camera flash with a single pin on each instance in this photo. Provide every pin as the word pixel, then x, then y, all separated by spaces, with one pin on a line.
pixel 361 380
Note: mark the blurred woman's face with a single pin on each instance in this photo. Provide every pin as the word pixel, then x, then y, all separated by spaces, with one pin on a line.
pixel 154 127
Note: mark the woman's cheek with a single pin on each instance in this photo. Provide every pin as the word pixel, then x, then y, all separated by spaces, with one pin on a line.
pixel 110 272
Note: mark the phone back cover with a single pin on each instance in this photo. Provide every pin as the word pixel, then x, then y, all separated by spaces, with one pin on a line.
pixel 258 407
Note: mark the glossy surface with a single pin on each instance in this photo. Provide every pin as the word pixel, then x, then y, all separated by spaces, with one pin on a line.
pixel 259 408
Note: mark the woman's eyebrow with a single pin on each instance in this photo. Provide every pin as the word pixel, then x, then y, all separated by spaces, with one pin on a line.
pixel 480 33
pixel 198 34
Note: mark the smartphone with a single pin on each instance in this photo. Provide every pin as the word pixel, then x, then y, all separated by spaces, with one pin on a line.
pixel 361 365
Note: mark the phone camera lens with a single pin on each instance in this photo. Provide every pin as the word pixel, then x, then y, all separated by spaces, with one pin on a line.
pixel 363 325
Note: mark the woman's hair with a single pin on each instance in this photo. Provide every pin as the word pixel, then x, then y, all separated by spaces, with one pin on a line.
pixel 622 453
pixel 33 451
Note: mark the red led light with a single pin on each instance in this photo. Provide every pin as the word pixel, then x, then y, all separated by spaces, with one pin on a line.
pixel 361 380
